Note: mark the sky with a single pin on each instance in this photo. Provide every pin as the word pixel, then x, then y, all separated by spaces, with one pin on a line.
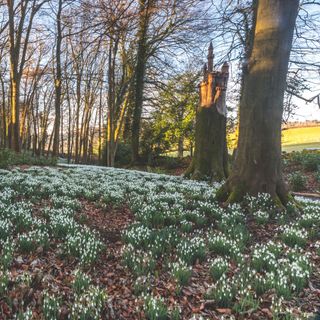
pixel 306 49
pixel 306 111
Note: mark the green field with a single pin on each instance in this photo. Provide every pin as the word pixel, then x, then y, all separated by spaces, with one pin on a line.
pixel 293 139
pixel 297 139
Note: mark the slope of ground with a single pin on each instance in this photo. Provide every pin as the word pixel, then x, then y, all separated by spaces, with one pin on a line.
pixel 98 243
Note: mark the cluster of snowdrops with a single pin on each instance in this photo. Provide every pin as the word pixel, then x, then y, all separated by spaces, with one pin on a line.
pixel 178 224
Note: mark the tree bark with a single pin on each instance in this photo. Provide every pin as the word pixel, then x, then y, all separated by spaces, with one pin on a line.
pixel 15 115
pixel 57 84
pixel 139 77
pixel 19 25
pixel 210 160
pixel 4 114
pixel 180 147
pixel 257 166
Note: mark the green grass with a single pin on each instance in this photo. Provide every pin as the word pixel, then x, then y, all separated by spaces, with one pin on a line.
pixel 296 139
pixel 300 147
pixel 293 139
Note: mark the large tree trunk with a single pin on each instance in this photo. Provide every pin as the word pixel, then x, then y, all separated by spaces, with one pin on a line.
pixel 257 166
pixel 211 156
pixel 210 160
pixel 140 70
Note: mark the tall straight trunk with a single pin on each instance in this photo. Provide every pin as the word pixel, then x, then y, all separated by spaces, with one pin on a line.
pixel 78 118
pixel 86 135
pixel 82 127
pixel 180 147
pixel 15 113
pixel 35 140
pixel 257 166
pixel 69 129
pixel 140 71
pixel 111 104
pixel 4 116
pixel 19 25
pixel 15 76
pixel 57 84
pixel 50 143
pixel 91 138
pixel 127 128
pixel 69 151
pixel 61 135
pixel 28 133
pixel 100 126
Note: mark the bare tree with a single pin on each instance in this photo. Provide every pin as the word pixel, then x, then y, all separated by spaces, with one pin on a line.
pixel 20 21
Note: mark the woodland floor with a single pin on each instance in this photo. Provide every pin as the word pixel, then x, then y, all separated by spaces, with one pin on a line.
pixel 123 302
pixel 110 273
pixel 49 269
pixel 312 184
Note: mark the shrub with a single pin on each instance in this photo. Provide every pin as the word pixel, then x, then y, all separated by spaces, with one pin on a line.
pixel 297 181
pixel 123 154
pixel 311 162
pixel 168 162
pixel 4 158
pixel 8 157
pixel 295 157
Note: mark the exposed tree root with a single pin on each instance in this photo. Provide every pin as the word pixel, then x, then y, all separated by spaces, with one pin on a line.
pixel 234 190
